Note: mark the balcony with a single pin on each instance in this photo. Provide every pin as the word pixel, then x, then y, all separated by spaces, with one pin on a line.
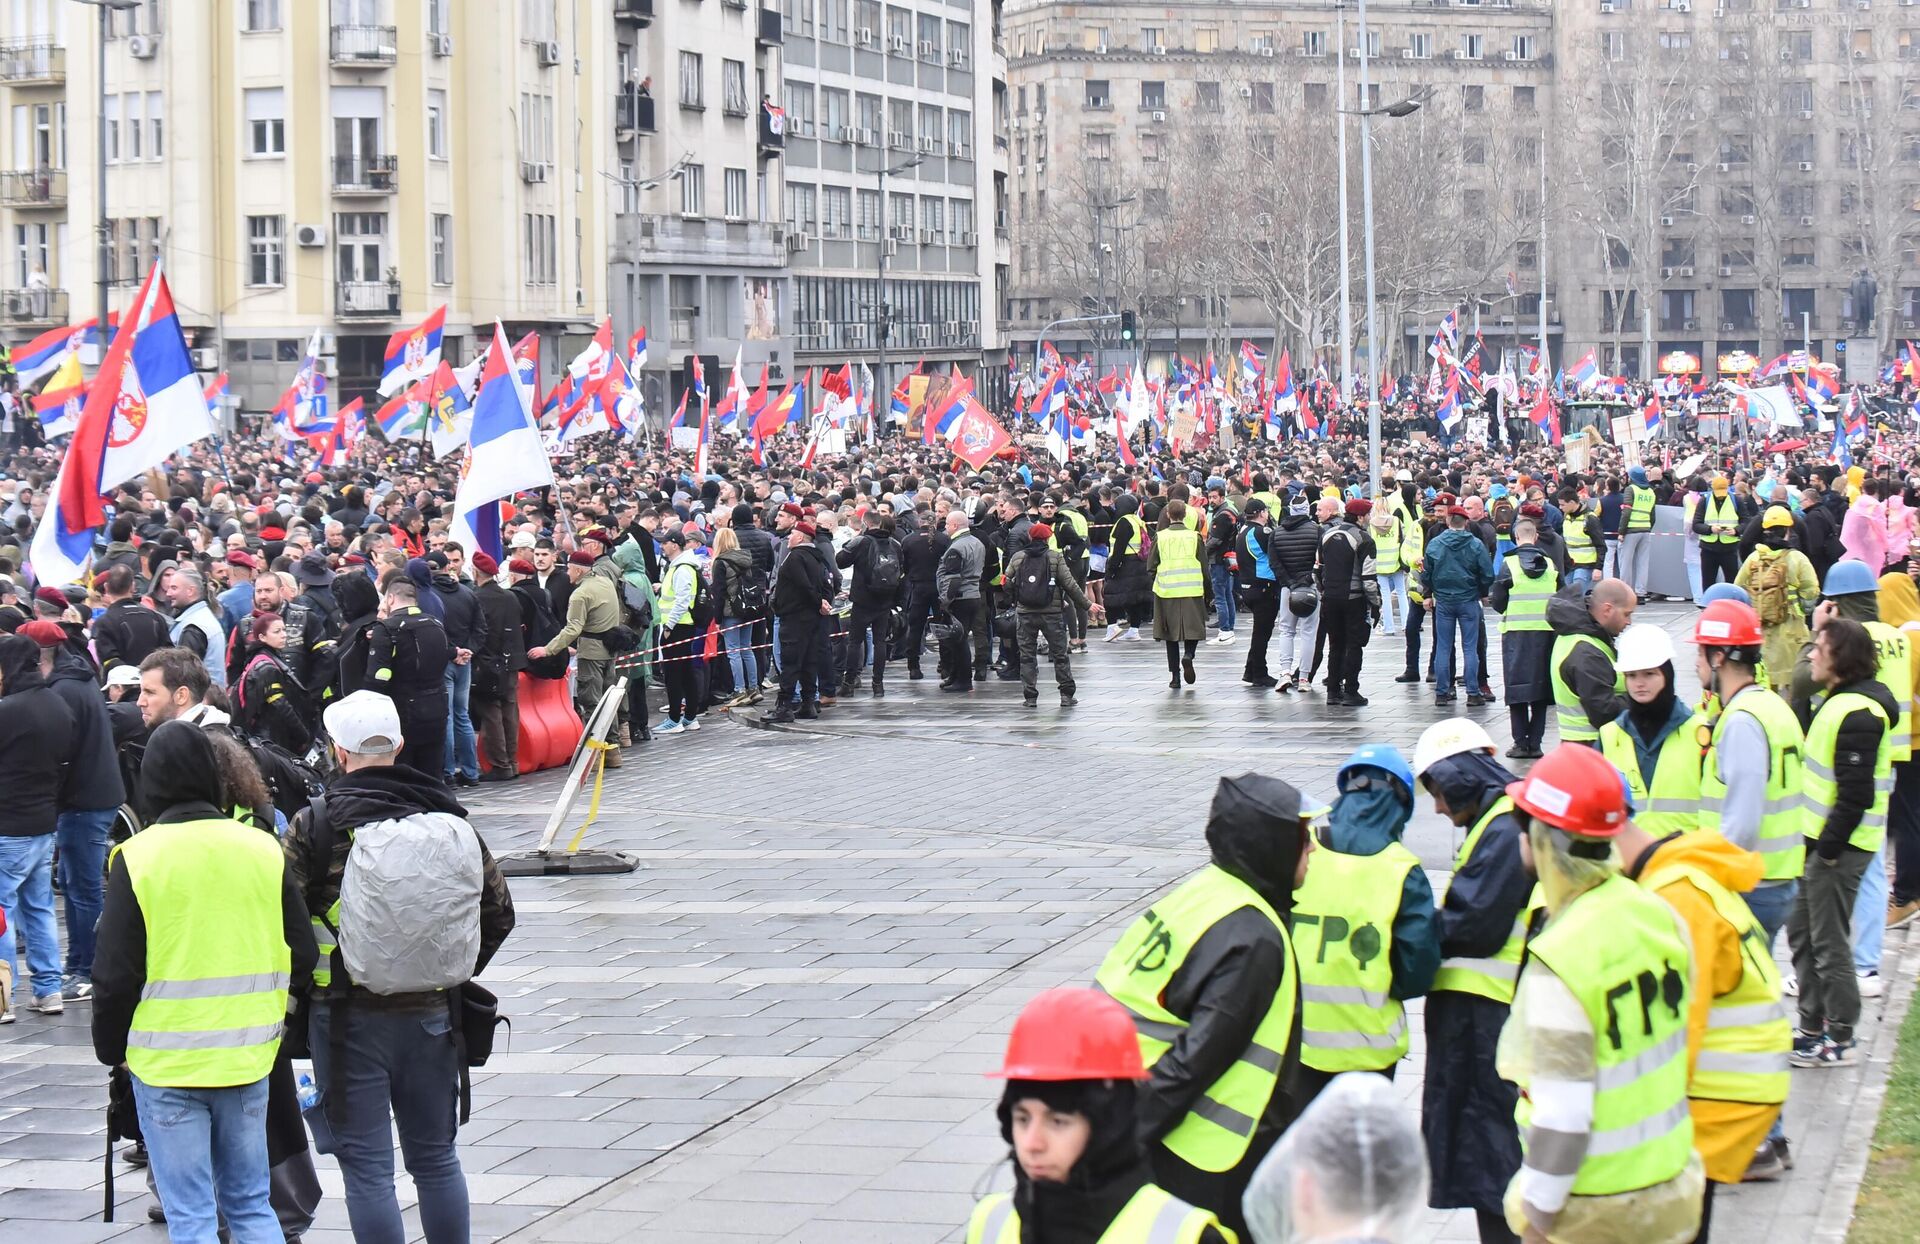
pixel 25 62
pixel 367 300
pixel 768 33
pixel 366 174
pixel 27 307
pixel 358 47
pixel 639 12
pixel 633 113
pixel 40 187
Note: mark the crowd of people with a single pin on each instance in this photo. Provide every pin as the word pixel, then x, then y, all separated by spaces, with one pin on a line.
pixel 261 650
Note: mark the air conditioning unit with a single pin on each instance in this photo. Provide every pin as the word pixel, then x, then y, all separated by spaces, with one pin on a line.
pixel 1806 114
pixel 1691 326
pixel 903 142
pixel 893 247
pixel 867 138
pixel 309 235
pixel 1605 7
pixel 1666 274
pixel 1682 6
pixel 928 146
pixel 1509 56
pixel 548 52
pixel 1806 221
pixel 1859 53
pixel 1786 53
pixel 143 47
pixel 1806 166
pixel 1725 270
pixel 956 57
pixel 898 44
pixel 864 37
pixel 1160 50
pixel 1907 322
pixel 1749 220
pixel 929 238
pixel 1686 273
pixel 534 172
pixel 1159 116
pixel 1246 92
pixel 969 239
pixel 441 45
pixel 1101 49
pixel 206 358
pixel 926 47
pixel 799 241
pixel 900 233
pixel 1724 166
pixel 1667 221
pixel 1266 51
pixel 1019 123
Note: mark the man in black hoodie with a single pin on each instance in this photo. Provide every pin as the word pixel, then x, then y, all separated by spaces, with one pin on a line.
pixel 802 599
pixel 36 733
pixel 1211 970
pixel 91 792
pixel 127 631
pixel 396 1059
pixel 878 584
pixel 920 555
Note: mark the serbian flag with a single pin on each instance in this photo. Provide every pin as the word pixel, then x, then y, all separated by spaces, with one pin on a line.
pixel 758 402
pixel 1126 451
pixel 706 434
pixel 504 453
pixel 734 401
pixel 413 353
pixel 403 414
pixel 940 423
pixel 1823 381
pixel 216 393
pixel 976 435
pixel 1584 372
pixel 897 405
pixel 60 402
pixel 1450 413
pixel 1651 414
pixel 42 355
pixel 1253 366
pixel 145 403
pixel 1853 416
pixel 1546 416
pixel 679 412
pixel 1285 399
pixel 1908 370
pixel 591 366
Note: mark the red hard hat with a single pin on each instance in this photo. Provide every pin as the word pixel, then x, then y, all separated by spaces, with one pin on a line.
pixel 1575 788
pixel 1727 624
pixel 1073 1034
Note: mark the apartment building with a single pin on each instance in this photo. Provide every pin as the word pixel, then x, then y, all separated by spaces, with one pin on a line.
pixel 1711 174
pixel 342 167
pixel 895 160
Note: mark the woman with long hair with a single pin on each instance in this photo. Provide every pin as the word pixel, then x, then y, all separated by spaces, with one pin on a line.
pixel 272 703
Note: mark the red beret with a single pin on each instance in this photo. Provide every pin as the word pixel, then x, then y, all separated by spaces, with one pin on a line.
pixel 521 565
pixel 807 529
pixel 1359 507
pixel 793 510
pixel 240 557
pixel 1533 509
pixel 45 632
pixel 50 596
pixel 485 564
pixel 600 534
pixel 1039 533
pixel 581 558
pixel 1460 510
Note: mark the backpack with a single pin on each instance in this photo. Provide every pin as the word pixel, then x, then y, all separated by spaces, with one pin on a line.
pixel 703 611
pixel 292 783
pixel 408 920
pixel 751 598
pixel 1768 587
pixel 1033 586
pixel 883 576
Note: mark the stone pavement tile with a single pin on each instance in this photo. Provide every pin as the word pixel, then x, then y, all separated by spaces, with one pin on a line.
pixel 555 1160
pixel 962 1177
pixel 534 1134
pixel 85 1232
pixel 488 1188
pixel 840 1231
pixel 656 1136
pixel 872 1204
pixel 703 1110
pixel 49 1173
pixel 553 1190
pixel 845 1160
pixel 819 1188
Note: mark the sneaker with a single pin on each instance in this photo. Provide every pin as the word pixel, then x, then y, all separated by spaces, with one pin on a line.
pixel 1077 646
pixel 1030 701
pixel 1790 985
pixel 1824 1052
pixel 1871 986
pixel 1224 637
pixel 1805 1044
pixel 670 726
pixel 1766 1165
pixel 135 1154
pixel 1476 701
pixel 692 723
pixel 1899 913
pixel 1067 700
pixel 1785 1150
pixel 80 989
pixel 48 1004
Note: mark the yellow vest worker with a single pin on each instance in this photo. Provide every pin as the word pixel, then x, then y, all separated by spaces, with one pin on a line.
pixel 1582 553
pixel 1638 514
pixel 1070 1065
pixel 1598 1038
pixel 1218 945
pixel 1721 518
pixel 1655 743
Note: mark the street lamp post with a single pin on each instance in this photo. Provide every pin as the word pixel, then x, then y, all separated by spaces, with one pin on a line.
pixel 104 228
pixel 1346 260
pixel 880 384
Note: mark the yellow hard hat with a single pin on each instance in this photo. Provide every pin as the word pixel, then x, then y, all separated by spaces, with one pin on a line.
pixel 1855 474
pixel 1776 516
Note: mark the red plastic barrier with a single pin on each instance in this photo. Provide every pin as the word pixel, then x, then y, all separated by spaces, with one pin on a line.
pixel 549 727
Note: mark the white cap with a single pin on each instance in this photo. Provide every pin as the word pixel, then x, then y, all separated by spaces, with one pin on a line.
pixel 524 539
pixel 365 723
pixel 1448 738
pixel 123 675
pixel 1642 646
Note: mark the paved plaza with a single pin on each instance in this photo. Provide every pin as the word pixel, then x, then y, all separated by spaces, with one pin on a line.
pixel 776 1029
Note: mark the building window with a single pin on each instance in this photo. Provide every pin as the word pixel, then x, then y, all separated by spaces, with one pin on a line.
pixel 360 243
pixel 1315 95
pixel 543 249
pixel 436 123
pixel 1420 45
pixel 1153 96
pixel 1206 96
pixel 263 15
pixel 536 128
pixel 1313 43
pixel 1473 99
pixel 1099 93
pixel 691 95
pixel 134 132
pixel 1472 47
pixel 733 87
pixel 736 192
pixel 1523 99
pixel 266 122
pixel 1150 148
pixel 959 44
pixel 442 249
pixel 866 215
pixel 933 218
pixel 266 250
pixel 693 190
pixel 1262 97
pixel 1152 39
pixel 438 22
pixel 1523 47
pixel 800 208
pixel 1099 146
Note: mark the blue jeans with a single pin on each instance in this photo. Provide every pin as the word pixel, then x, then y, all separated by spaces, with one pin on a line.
pixel 26 895
pixel 737 635
pixel 1870 914
pixel 1582 575
pixel 1223 603
pixel 398 1067
pixel 83 838
pixel 1449 616
pixel 1693 581
pixel 207 1147
pixel 1393 587
pixel 462 753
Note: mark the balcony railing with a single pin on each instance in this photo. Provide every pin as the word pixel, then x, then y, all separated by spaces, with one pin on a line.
pixel 39 187
pixel 367 174
pixel 367 300
pixel 633 111
pixel 33 306
pixel 32 60
pixel 769 33
pixel 364 45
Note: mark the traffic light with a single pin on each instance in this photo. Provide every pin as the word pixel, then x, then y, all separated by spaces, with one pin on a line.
pixel 1126 326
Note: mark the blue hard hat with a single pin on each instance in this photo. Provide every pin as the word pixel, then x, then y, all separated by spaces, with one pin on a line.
pixel 1381 756
pixel 1725 591
pixel 1849 578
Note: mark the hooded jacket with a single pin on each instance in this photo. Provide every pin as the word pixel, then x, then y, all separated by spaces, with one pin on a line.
pixel 1585 669
pixel 803 582
pixel 179 781
pixel 93 768
pixel 365 797
pixel 127 631
pixel 359 603
pixel 459 610
pixel 1485 897
pixel 36 740
pixel 1457 568
pixel 1236 968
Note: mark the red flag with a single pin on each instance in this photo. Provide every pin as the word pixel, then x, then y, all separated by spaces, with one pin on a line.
pixel 80 500
pixel 977 435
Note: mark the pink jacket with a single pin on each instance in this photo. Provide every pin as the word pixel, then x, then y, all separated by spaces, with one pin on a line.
pixel 1864 532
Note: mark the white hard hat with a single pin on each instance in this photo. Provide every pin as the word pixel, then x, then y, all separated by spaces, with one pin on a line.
pixel 1642 646
pixel 1448 738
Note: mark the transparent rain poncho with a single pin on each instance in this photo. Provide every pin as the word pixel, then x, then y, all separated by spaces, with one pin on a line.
pixel 1352 1167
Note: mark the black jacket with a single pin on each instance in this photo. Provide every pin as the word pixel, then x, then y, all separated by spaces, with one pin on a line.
pixel 1346 564
pixel 462 610
pixel 1587 671
pixel 272 704
pixel 803 582
pixel 920 560
pixel 759 546
pixel 1855 748
pixel 92 780
pixel 500 649
pixel 365 797
pixel 1293 549
pixel 558 587
pixel 127 632
pixel 36 738
pixel 1823 547
pixel 859 554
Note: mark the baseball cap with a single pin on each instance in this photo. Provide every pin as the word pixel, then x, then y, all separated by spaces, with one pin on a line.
pixel 123 675
pixel 365 723
pixel 524 540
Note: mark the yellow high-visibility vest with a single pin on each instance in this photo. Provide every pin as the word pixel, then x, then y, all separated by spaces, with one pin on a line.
pixel 1178 574
pixel 1673 802
pixel 1780 845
